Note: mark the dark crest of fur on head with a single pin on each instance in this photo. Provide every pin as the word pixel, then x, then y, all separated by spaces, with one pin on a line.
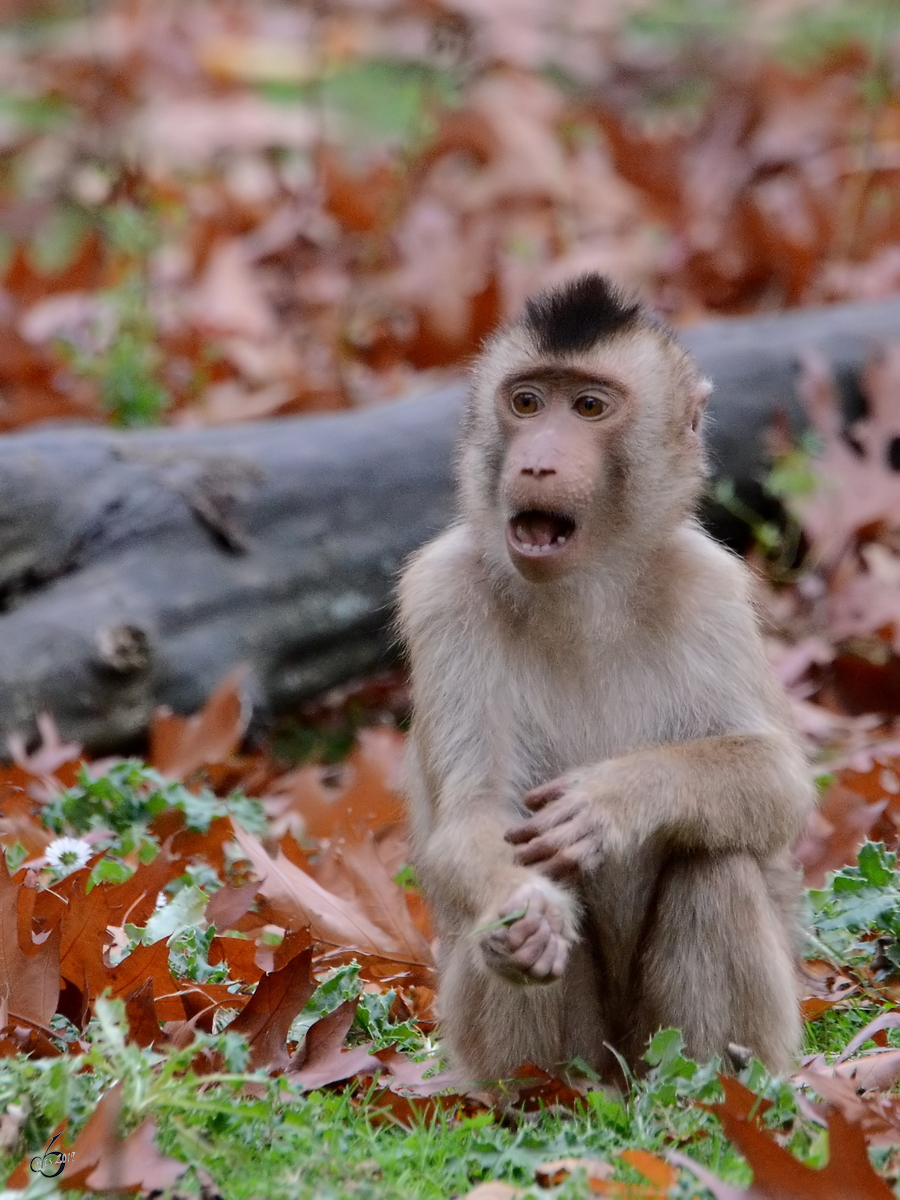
pixel 571 318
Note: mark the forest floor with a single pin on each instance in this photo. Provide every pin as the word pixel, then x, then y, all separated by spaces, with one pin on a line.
pixel 216 966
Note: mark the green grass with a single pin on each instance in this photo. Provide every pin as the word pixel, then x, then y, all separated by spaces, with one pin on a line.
pixel 335 1144
pixel 831 1032
pixel 261 1137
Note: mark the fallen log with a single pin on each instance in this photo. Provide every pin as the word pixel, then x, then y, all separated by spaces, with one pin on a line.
pixel 137 568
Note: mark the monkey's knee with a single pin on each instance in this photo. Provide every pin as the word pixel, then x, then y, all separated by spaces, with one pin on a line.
pixel 720 962
pixel 491 1026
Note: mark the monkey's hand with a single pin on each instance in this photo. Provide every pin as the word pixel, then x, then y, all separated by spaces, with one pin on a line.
pixel 578 823
pixel 528 940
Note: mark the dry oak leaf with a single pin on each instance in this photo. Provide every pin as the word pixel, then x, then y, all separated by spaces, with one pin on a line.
pixel 410 1076
pixel 104 1162
pixel 857 490
pixel 877 1069
pixel 297 900
pixel 366 794
pixel 322 1059
pixel 89 915
pixel 824 987
pixel 551 1174
pixel 379 897
pixel 29 977
pixel 661 1176
pixel 876 1113
pixel 149 963
pixel 267 1016
pixel 777 1175
pixel 181 745
pixel 835 832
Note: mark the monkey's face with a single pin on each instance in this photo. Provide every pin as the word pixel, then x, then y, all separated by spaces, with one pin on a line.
pixel 568 456
pixel 561 427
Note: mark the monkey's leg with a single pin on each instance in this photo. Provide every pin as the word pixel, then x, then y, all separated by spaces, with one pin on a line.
pixel 491 1026
pixel 719 962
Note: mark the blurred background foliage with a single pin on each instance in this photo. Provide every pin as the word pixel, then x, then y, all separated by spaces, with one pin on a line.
pixel 218 211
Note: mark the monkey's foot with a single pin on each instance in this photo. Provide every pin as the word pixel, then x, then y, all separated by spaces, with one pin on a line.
pixel 527 942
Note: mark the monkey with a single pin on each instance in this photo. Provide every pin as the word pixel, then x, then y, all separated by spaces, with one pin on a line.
pixel 603 780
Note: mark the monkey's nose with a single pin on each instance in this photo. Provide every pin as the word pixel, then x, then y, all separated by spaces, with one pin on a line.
pixel 538 472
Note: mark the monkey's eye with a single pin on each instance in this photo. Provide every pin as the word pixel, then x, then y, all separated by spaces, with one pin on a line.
pixel 590 407
pixel 526 404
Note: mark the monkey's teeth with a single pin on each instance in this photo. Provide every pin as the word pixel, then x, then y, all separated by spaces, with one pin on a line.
pixel 561 541
pixel 521 533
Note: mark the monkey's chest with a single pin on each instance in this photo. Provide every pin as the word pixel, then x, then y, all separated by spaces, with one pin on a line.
pixel 594 714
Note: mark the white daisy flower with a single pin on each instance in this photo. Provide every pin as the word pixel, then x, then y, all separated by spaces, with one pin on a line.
pixel 67 854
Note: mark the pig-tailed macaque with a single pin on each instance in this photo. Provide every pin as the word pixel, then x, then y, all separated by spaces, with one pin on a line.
pixel 603 778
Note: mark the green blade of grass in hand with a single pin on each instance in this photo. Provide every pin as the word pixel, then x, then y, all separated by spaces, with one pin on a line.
pixel 503 922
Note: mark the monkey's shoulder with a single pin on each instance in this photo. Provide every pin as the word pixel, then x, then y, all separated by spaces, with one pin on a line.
pixel 707 575
pixel 437 579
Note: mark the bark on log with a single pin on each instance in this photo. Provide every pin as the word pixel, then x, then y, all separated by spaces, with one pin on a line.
pixel 137 568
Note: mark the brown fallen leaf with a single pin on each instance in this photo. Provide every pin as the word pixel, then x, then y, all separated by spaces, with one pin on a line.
pixel 875 1070
pixel 181 745
pixel 239 954
pixel 379 897
pixel 148 963
pixel 322 1060
pixel 29 977
pixel 51 754
pixel 494 1191
pixel 103 1162
pixel 229 904
pixel 410 1076
pixel 884 1021
pixel 824 987
pixel 876 1114
pixel 552 1174
pixel 365 793
pixel 297 900
pixel 835 832
pixel 777 1175
pixel 654 1169
pixel 140 1012
pixel 267 1016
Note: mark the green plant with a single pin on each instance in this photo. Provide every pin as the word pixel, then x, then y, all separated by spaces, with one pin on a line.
pixel 123 354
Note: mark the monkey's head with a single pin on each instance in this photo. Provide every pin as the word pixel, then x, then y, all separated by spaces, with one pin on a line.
pixel 581 434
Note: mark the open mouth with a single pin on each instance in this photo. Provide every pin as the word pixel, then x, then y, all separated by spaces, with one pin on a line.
pixel 534 531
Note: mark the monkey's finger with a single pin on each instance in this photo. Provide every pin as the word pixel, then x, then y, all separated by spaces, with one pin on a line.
pixel 519 933
pixel 534 949
pixel 521 833
pixel 570 860
pixel 538 797
pixel 559 961
pixel 543 968
pixel 548 838
pixel 536 851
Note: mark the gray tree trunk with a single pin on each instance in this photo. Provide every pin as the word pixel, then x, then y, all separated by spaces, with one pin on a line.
pixel 137 568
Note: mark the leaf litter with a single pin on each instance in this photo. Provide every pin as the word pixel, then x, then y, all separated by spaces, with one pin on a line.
pixel 259 257
pixel 228 214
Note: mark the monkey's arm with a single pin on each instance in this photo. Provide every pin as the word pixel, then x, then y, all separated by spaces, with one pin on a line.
pixel 464 781
pixel 747 789
pixel 522 922
pixel 741 792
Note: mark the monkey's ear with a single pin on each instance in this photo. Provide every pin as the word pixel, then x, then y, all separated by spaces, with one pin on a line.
pixel 697 406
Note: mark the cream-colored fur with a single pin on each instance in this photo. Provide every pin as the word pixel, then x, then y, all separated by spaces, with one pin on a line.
pixel 640 676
